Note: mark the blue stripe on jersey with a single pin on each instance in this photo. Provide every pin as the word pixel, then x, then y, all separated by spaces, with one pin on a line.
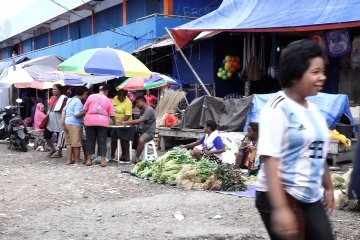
pixel 295 148
pixel 317 161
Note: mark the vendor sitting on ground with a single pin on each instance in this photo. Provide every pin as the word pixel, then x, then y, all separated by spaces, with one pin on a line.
pixel 147 125
pixel 248 150
pixel 212 144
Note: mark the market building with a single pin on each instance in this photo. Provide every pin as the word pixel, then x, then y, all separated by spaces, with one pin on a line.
pixel 73 26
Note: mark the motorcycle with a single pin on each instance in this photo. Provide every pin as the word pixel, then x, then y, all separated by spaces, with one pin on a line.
pixel 13 128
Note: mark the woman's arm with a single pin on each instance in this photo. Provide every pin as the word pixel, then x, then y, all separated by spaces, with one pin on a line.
pixel 134 122
pixel 126 117
pixel 80 114
pixel 63 115
pixel 113 119
pixel 191 145
pixel 218 151
pixel 329 190
pixel 283 218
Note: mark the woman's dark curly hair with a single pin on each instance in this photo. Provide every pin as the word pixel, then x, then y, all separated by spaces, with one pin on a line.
pixel 295 60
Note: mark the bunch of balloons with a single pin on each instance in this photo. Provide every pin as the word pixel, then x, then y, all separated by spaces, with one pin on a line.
pixel 230 65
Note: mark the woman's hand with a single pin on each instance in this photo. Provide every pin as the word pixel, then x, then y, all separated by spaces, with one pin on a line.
pixel 329 201
pixel 250 148
pixel 283 222
pixel 206 152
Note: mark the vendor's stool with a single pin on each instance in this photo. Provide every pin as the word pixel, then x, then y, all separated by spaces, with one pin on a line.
pixel 147 155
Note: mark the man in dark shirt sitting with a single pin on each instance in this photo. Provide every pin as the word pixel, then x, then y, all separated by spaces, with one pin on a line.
pixel 146 125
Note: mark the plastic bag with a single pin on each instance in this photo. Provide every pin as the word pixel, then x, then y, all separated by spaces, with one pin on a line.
pixel 171 120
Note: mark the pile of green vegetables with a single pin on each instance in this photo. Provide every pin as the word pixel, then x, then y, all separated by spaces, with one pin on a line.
pixel 167 170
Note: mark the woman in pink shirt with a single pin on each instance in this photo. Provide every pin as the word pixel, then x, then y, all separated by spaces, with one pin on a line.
pixel 98 109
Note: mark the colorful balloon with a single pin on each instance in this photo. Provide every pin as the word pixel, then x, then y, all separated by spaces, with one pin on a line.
pixel 230 65
pixel 227 66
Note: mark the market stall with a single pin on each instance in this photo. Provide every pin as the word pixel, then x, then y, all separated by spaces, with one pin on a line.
pixel 324 16
pixel 165 133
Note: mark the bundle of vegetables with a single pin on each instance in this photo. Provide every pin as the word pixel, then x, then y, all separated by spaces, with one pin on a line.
pixel 204 168
pixel 197 176
pixel 230 178
pixel 180 155
pixel 169 165
pixel 188 178
pixel 143 169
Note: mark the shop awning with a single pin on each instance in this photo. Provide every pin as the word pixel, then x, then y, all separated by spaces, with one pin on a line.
pixel 166 41
pixel 273 16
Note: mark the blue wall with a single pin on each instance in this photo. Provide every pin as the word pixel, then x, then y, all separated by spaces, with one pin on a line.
pixel 201 57
pixel 59 35
pixel 85 27
pixel 27 45
pixel 41 41
pixel 108 19
pixel 196 8
pixel 145 31
pixel 6 52
pixel 140 8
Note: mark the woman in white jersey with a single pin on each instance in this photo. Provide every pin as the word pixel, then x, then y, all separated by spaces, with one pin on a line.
pixel 294 187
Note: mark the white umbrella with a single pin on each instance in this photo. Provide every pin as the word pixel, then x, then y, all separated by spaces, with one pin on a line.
pixel 18 76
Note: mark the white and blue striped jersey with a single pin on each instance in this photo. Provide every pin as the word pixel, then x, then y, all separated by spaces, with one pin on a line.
pixel 299 137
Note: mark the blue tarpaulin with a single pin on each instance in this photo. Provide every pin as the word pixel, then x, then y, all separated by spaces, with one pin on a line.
pixel 273 16
pixel 332 106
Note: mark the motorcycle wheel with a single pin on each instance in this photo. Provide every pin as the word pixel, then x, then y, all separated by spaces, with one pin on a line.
pixel 23 145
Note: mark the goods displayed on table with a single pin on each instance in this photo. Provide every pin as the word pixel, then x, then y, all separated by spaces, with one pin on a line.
pixel 178 167
pixel 168 102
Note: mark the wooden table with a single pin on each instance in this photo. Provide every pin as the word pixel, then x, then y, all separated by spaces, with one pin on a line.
pixel 338 153
pixel 165 132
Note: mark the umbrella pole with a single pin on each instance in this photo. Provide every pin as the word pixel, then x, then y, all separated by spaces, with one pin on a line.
pixel 188 63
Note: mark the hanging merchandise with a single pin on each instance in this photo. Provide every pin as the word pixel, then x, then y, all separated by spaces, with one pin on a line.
pixel 272 69
pixel 253 70
pixel 262 55
pixel 338 42
pixel 230 65
pixel 319 37
pixel 246 56
pixel 355 53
